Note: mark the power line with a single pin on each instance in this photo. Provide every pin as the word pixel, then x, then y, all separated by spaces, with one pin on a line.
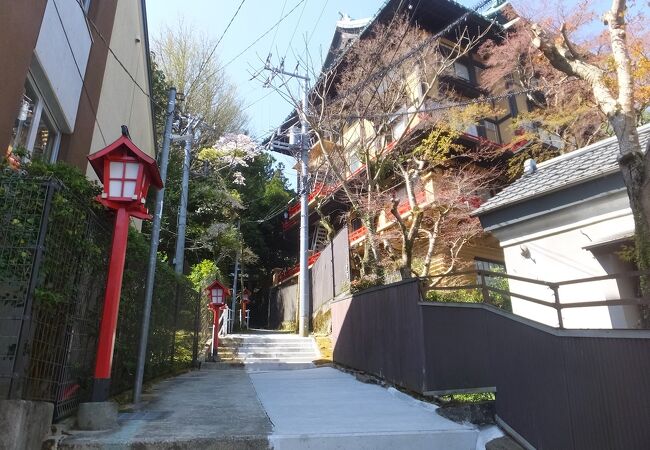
pixel 205 62
pixel 264 34
pixel 302 11
pixel 382 73
pixel 284 5
pixel 83 81
pixel 399 44
pixel 254 102
pixel 119 61
pixel 448 105
pixel 317 21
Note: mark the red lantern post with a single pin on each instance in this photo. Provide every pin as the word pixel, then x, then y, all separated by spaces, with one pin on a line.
pixel 245 300
pixel 217 293
pixel 126 172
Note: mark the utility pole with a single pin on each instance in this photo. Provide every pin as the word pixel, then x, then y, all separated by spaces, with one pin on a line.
pixel 233 302
pixel 303 324
pixel 179 257
pixel 301 143
pixel 153 249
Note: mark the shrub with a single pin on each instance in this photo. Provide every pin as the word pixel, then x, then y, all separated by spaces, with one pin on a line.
pixel 474 295
pixel 365 282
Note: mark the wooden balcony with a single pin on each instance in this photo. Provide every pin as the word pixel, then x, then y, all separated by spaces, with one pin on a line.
pixel 291 272
pixel 356 236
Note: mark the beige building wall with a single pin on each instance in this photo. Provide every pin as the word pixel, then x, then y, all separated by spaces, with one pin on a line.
pixel 121 101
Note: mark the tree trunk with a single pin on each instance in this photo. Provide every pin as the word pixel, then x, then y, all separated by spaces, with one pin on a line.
pixel 620 112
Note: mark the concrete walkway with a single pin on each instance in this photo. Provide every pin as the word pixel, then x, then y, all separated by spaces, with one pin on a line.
pixel 206 409
pixel 249 408
pixel 324 408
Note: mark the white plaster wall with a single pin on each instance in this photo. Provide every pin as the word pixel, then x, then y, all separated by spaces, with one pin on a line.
pixel 558 254
pixel 121 101
pixel 58 62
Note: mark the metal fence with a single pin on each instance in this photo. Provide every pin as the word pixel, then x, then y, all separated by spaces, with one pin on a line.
pixel 53 254
pixel 555 388
pixel 492 288
pixel 54 247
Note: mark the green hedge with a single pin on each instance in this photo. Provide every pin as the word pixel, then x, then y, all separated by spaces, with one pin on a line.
pixel 70 282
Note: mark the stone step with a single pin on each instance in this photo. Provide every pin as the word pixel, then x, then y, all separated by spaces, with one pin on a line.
pixel 266 366
pixel 266 344
pixel 253 338
pixel 272 359
pixel 304 348
pixel 309 354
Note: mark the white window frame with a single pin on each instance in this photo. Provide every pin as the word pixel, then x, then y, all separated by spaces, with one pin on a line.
pixel 40 108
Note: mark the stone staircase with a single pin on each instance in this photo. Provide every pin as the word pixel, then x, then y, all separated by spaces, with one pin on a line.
pixel 259 350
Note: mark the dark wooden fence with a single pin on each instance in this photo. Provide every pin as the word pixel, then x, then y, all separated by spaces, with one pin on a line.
pixel 556 389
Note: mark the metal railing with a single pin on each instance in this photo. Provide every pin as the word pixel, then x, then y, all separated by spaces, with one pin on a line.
pixel 487 290
pixel 223 322
pixel 245 321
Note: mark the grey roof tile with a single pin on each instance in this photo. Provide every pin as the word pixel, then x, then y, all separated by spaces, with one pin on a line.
pixel 588 162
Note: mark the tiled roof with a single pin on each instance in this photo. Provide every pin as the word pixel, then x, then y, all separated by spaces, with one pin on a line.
pixel 592 161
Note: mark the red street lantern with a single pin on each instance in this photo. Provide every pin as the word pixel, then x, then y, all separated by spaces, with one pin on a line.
pixel 217 294
pixel 245 300
pixel 126 172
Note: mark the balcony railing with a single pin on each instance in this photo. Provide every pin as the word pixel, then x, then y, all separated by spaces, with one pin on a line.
pixel 356 235
pixel 319 190
pixel 404 206
pixel 293 271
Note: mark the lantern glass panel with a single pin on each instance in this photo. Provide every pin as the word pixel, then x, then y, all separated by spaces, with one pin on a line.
pixel 131 172
pixel 217 296
pixel 116 169
pixel 115 188
pixel 129 189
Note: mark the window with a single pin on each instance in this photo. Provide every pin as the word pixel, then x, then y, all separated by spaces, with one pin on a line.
pixel 512 105
pixel 34 130
pixel 399 127
pixel 491 131
pixel 490 266
pixel 354 163
pixel 85 4
pixel 461 70
pixel 472 130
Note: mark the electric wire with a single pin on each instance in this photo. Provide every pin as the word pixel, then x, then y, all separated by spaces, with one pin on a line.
pixel 431 39
pixel 83 81
pixel 119 61
pixel 317 22
pixel 295 28
pixel 264 34
pixel 254 102
pixel 453 104
pixel 205 62
pixel 399 44
pixel 275 35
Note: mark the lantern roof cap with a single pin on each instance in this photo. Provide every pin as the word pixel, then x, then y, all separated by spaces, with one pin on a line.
pixel 125 144
pixel 217 284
